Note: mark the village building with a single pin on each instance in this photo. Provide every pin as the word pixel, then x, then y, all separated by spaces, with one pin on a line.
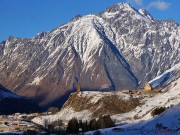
pixel 148 90
pixel 148 87
pixel 125 91
pixel 4 127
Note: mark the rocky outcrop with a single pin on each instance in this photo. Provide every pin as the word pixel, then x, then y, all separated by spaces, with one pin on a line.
pixel 99 103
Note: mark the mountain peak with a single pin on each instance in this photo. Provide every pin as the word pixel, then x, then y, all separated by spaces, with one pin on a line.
pixel 124 10
pixel 77 17
pixel 124 6
pixel 118 7
pixel 41 35
pixel 11 38
pixel 145 14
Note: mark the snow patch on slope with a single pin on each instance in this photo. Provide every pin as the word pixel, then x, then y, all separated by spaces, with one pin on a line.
pixel 36 80
pixel 65 114
pixel 169 120
pixel 145 14
pixel 95 96
pixel 167 77
pixel 109 15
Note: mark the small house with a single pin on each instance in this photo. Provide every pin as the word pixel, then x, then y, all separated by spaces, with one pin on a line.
pixel 148 87
pixel 4 127
pixel 125 91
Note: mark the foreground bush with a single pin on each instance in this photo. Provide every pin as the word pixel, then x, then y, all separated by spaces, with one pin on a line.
pixel 158 111
pixel 73 126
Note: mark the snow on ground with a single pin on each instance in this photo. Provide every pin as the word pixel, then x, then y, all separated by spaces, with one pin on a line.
pixel 169 121
pixel 167 77
pixel 171 97
pixel 68 113
pixel 166 123
pixel 138 121
pixel 142 112
pixel 95 95
pixel 65 115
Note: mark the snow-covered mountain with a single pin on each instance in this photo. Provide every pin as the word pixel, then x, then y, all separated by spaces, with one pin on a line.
pixel 149 46
pixel 12 103
pixel 105 51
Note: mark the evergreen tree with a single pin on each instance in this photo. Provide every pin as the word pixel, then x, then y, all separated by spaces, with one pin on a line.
pixel 93 124
pixel 80 126
pixel 85 127
pixel 46 123
pixel 105 122
pixel 73 126
pixel 108 121
pixel 101 123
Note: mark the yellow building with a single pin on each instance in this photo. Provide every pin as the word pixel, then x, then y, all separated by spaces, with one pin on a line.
pixel 148 87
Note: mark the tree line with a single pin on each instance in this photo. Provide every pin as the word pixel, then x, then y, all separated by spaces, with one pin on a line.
pixel 75 126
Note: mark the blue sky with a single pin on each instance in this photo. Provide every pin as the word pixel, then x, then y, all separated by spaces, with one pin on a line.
pixel 26 18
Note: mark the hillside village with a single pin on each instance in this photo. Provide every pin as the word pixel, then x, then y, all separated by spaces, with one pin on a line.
pixel 148 89
pixel 22 122
pixel 19 123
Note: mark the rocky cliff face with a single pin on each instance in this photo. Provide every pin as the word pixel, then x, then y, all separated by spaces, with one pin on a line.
pixel 111 50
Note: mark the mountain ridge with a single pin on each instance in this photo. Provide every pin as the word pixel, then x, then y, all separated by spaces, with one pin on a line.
pixel 111 50
pixel 11 103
